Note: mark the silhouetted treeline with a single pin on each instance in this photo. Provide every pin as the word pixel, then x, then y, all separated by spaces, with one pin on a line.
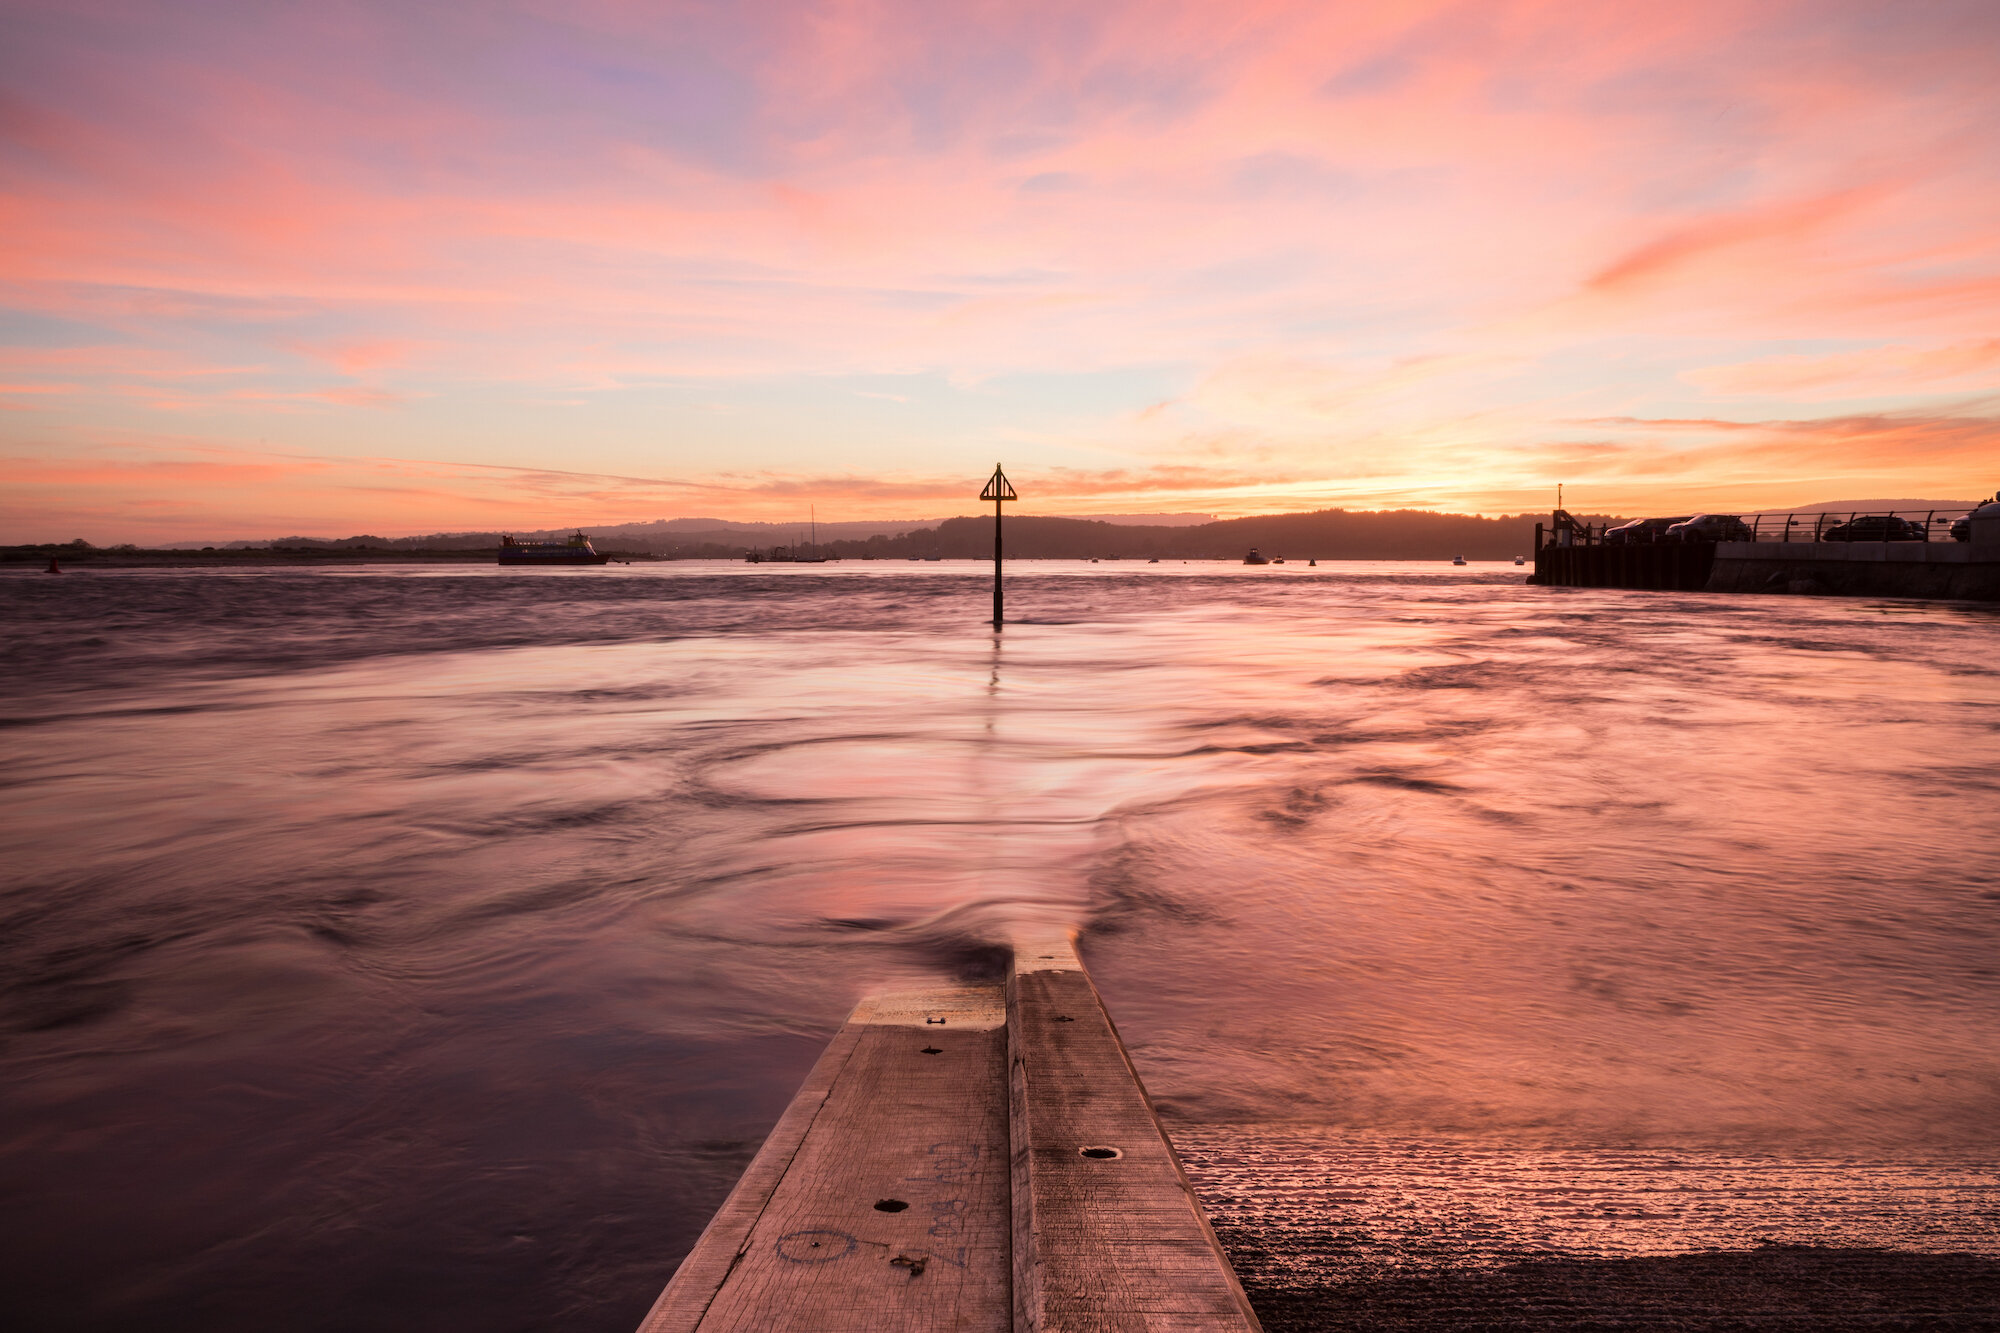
pixel 1326 534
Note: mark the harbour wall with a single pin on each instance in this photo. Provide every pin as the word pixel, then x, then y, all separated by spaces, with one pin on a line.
pixel 1661 566
pixel 1965 570
pixel 1962 570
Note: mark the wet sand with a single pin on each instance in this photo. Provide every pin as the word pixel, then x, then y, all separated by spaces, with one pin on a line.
pixel 1366 1234
pixel 1786 1287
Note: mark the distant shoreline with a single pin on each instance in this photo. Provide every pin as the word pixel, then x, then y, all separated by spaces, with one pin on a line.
pixel 115 559
pixel 36 558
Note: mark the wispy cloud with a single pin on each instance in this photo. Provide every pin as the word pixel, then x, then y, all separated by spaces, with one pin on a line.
pixel 1959 367
pixel 1738 235
pixel 1239 255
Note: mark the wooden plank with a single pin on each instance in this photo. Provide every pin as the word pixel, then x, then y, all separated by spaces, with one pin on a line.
pixel 883 1204
pixel 1108 1234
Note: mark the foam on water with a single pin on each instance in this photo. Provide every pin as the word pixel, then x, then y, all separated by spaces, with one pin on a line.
pixel 386 942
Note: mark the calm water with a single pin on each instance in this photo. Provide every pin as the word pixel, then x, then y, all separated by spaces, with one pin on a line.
pixel 410 948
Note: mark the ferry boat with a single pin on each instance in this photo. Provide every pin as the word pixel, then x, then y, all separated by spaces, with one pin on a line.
pixel 574 550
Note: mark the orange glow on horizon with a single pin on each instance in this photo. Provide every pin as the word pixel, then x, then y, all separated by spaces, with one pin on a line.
pixel 601 267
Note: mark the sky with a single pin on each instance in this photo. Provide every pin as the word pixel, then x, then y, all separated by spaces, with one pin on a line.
pixel 335 267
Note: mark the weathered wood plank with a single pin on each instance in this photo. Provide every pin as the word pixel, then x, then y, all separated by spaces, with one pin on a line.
pixel 1103 1243
pixel 956 1163
pixel 886 1206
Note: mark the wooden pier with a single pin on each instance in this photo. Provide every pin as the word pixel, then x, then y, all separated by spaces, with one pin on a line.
pixel 973 1158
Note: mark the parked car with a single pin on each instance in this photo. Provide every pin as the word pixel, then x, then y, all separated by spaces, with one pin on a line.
pixel 1961 527
pixel 1710 528
pixel 1875 528
pixel 1641 531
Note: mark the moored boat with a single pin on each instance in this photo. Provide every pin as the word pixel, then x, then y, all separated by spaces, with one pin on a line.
pixel 573 550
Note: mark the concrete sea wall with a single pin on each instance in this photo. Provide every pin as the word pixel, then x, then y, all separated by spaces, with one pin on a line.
pixel 1966 570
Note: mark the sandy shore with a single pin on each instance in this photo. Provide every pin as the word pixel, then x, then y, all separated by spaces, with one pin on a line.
pixel 1784 1287
pixel 1331 1234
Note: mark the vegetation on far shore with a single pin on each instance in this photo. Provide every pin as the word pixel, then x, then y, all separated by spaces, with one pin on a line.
pixel 1327 534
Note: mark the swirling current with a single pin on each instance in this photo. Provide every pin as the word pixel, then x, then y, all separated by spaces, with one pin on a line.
pixel 386 942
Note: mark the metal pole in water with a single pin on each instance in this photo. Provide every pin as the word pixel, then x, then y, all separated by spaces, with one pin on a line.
pixel 998 490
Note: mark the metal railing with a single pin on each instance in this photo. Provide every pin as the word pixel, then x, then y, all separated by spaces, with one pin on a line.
pixel 1924 525
pixel 1919 525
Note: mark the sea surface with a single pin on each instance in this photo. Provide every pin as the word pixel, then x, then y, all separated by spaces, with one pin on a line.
pixel 407 947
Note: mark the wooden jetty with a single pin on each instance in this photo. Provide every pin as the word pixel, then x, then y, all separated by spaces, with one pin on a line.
pixel 971 1158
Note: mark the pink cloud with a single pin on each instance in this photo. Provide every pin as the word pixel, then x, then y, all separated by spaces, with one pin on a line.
pixel 1960 367
pixel 1372 247
pixel 362 355
pixel 1787 221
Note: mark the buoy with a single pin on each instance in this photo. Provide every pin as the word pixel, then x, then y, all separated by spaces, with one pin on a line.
pixel 52 569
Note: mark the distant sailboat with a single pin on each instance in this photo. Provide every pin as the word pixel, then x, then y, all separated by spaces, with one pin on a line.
pixel 812 554
pixel 798 553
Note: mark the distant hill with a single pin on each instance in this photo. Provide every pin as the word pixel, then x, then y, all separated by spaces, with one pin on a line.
pixel 659 536
pixel 1149 520
pixel 770 532
pixel 1327 534
pixel 1877 506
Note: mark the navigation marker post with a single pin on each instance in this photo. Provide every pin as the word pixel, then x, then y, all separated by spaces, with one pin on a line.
pixel 999 490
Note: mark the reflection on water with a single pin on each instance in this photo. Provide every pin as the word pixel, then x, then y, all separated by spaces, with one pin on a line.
pixel 377 944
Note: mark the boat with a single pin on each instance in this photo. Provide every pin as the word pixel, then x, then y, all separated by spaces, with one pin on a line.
pixel 1520 559
pixel 573 550
pixel 813 554
pixel 1254 558
pixel 792 555
pixel 1458 560
pixel 798 553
